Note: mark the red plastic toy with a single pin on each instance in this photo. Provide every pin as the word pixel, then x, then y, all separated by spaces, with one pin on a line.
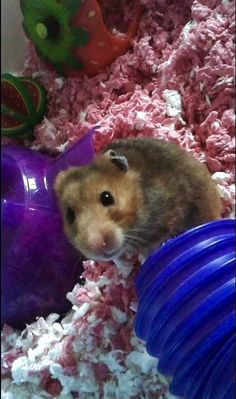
pixel 71 35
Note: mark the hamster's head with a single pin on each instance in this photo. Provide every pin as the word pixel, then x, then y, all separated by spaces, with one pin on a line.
pixel 99 205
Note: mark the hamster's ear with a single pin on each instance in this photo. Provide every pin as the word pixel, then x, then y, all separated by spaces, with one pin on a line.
pixel 66 176
pixel 119 160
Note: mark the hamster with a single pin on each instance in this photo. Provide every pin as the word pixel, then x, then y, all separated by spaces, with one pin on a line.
pixel 133 197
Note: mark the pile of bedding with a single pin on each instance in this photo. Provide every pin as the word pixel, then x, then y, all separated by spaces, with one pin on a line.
pixel 175 83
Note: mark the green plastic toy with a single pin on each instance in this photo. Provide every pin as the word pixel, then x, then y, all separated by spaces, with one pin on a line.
pixel 23 105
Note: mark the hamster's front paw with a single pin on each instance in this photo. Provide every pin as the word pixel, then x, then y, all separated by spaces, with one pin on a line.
pixel 125 263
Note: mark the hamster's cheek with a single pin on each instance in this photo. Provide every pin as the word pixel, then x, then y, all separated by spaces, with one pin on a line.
pixel 124 218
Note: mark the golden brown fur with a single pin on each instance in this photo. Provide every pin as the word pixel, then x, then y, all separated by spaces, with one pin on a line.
pixel 164 192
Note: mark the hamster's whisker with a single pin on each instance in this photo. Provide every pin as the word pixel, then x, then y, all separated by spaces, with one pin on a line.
pixel 135 242
pixel 135 238
pixel 130 248
pixel 135 233
pixel 130 244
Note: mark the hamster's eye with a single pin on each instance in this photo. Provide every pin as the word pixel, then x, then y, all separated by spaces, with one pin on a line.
pixel 70 215
pixel 106 198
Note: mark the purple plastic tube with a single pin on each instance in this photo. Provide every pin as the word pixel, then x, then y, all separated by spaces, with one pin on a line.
pixel 39 266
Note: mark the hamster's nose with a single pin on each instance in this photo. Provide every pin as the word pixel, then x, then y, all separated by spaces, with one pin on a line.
pixel 108 244
pixel 104 243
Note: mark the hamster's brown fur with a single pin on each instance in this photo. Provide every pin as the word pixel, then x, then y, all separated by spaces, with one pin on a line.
pixel 159 191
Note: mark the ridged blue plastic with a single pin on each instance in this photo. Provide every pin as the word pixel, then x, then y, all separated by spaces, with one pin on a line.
pixel 185 313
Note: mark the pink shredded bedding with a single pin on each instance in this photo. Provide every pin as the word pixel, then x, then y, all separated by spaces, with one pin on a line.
pixel 176 83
